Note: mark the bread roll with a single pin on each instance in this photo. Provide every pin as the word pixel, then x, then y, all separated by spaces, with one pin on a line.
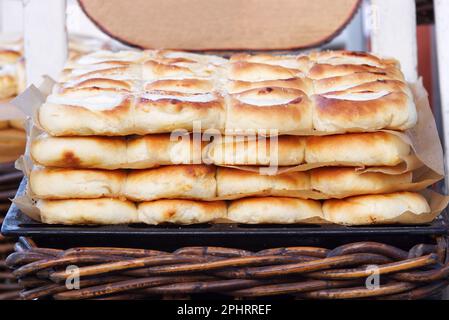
pixel 9 73
pixel 281 151
pixel 370 149
pixel 80 152
pixel 12 144
pixel 162 149
pixel 8 86
pixel 376 209
pixel 274 210
pixel 157 112
pixel 87 111
pixel 181 211
pixel 87 212
pixel 72 184
pixel 347 111
pixel 344 182
pixel 237 183
pixel 182 182
pixel 284 110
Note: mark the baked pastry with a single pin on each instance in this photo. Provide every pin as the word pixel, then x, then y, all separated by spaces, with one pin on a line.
pixel 378 209
pixel 55 184
pixel 80 152
pixel 371 106
pixel 12 144
pixel 10 73
pixel 181 211
pixel 234 183
pixel 274 210
pixel 344 182
pixel 368 149
pixel 283 110
pixel 275 151
pixel 103 211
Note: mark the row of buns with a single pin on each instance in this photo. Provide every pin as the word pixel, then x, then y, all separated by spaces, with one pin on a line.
pixel 400 207
pixel 141 152
pixel 117 94
pixel 201 182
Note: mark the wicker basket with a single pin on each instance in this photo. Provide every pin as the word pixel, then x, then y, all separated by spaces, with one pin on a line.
pixel 9 182
pixel 299 272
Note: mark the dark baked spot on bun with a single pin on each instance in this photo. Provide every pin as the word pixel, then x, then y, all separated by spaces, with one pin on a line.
pixel 169 214
pixel 296 101
pixel 125 106
pixel 69 159
pixel 356 53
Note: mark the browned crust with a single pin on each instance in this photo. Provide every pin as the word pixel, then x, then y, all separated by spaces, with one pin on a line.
pixel 346 109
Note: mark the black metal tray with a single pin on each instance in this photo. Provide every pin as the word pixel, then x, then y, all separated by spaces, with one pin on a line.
pixel 17 223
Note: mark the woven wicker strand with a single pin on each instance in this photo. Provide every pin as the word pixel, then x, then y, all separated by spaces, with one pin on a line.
pixel 299 272
pixel 9 182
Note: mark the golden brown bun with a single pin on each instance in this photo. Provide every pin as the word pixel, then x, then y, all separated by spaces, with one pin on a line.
pixel 80 152
pixel 12 144
pixel 9 56
pixel 87 111
pixel 282 109
pixel 4 124
pixel 338 182
pixel 276 210
pixel 174 112
pixel 181 211
pixel 370 149
pixel 72 184
pixel 182 182
pixel 161 149
pixel 363 111
pixel 92 211
pixel 375 209
pixel 8 87
pixel 237 183
pixel 289 151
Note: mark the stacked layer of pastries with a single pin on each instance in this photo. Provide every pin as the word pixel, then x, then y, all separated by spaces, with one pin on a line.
pixel 118 146
pixel 12 83
pixel 12 137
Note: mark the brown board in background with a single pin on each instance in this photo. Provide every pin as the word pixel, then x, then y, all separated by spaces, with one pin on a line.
pixel 221 24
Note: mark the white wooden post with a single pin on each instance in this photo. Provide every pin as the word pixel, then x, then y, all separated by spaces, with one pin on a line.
pixel 11 17
pixel 45 38
pixel 394 33
pixel 441 8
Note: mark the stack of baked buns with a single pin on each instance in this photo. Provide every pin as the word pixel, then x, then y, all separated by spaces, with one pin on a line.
pixel 173 137
pixel 13 82
pixel 12 136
